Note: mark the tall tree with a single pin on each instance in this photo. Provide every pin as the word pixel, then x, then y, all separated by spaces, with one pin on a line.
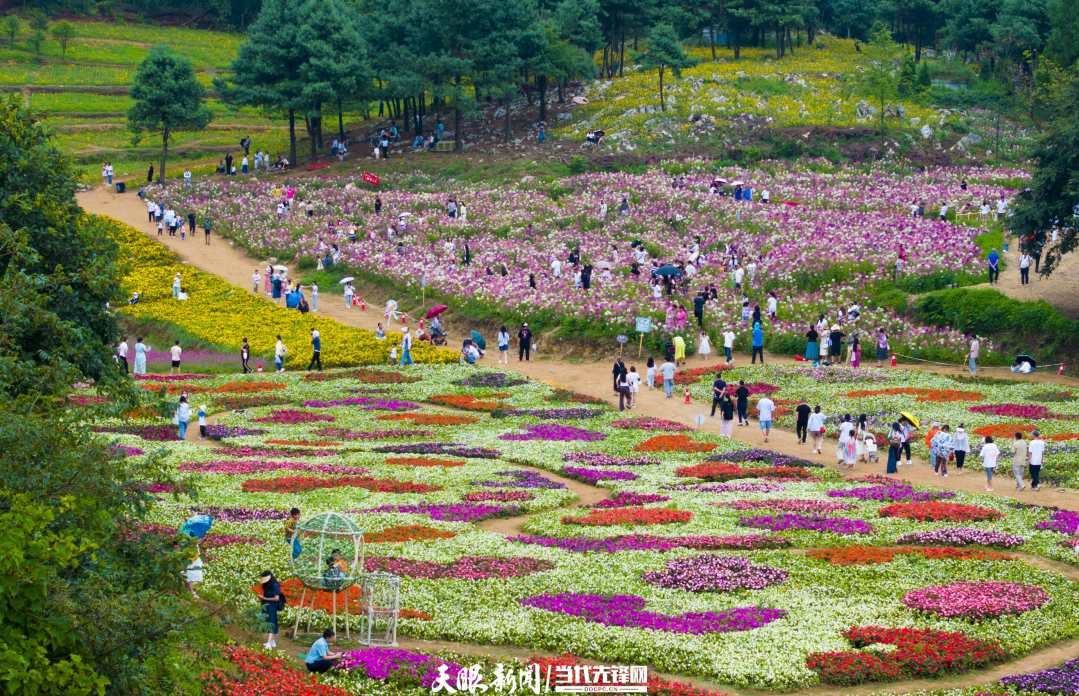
pixel 664 53
pixel 10 26
pixel 62 33
pixel 1063 45
pixel 168 98
pixel 881 77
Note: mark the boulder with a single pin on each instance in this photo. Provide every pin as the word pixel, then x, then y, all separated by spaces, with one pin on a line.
pixel 720 100
pixel 926 131
pixel 915 120
pixel 974 138
pixel 862 109
pixel 564 116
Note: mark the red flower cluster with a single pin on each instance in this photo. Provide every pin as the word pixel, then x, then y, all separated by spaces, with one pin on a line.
pixel 302 484
pixel 632 516
pixel 258 673
pixel 428 418
pixel 919 653
pixel 871 555
pixel 935 395
pixel 466 402
pixel 696 374
pixel 673 443
pixel 420 461
pixel 324 601
pixel 725 471
pixel 657 686
pixel 412 532
pixel 1007 430
pixel 362 374
pixel 935 511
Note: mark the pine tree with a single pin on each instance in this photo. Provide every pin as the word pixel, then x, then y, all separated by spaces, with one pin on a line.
pixel 881 78
pixel 664 53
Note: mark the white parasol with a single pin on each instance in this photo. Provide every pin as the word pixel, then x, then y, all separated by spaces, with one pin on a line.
pixel 738 183
pixel 349 279
pixel 279 267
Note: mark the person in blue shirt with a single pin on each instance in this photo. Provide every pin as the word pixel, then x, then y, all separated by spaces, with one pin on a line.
pixel 316 357
pixel 319 658
pixel 758 343
pixel 994 265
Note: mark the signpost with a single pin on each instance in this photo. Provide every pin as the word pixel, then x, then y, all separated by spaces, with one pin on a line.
pixel 621 342
pixel 699 418
pixel 644 325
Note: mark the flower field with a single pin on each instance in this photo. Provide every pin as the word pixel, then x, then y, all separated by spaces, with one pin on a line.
pixel 808 246
pixel 692 575
pixel 984 408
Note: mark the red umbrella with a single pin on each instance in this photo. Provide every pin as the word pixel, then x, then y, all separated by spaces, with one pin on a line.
pixel 435 311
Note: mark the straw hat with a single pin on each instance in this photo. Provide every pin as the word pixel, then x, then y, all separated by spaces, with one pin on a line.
pixel 835 327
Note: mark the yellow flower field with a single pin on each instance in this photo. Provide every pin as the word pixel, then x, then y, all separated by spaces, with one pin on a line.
pixel 223 314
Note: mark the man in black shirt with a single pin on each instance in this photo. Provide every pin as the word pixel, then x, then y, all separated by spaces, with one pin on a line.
pixel 802 423
pixel 524 343
pixel 698 309
pixel 742 396
pixel 718 388
pixel 835 342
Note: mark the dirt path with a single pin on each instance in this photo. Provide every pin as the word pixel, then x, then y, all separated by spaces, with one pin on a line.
pixel 1058 289
pixel 586 495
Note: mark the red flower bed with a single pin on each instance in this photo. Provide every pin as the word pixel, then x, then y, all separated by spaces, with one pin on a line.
pixel 919 653
pixel 934 511
pixel 631 516
pixel 258 673
pixel 657 686
pixel 362 374
pixel 696 374
pixel 466 402
pixel 324 601
pixel 412 532
pixel 428 418
pixel 420 461
pixel 648 423
pixel 934 395
pixel 302 484
pixel 871 555
pixel 673 443
pixel 720 472
pixel 1000 430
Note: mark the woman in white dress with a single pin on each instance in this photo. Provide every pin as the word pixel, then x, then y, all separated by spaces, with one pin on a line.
pixel 862 430
pixel 140 356
pixel 193 572
pixel 704 348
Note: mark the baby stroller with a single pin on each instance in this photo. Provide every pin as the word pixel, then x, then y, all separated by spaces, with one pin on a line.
pixel 871 448
pixel 438 337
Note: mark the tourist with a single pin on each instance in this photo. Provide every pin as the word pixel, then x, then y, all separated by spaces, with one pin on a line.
pixel 667 370
pixel 271 603
pixel 846 428
pixel 140 356
pixel 765 407
pixel 121 354
pixel 679 350
pixel 617 371
pixel 719 389
pixel 406 348
pixel 634 380
pixel 773 304
pixel 907 428
pixel 861 430
pixel 1019 460
pixel 268 280
pixel 202 422
pixel 801 424
pixel 314 296
pixel 990 453
pixel 960 448
pixel 728 344
pixel 741 395
pixel 176 282
pixel 280 351
pixel 503 338
pixel 704 347
pixel 855 351
pixel 650 373
pixel 524 343
pixel 1037 453
pixel 934 428
pixel 183 415
pixel 175 352
pixel 1024 268
pixel 758 343
pixel 316 346
pixel 193 572
pixel 895 442
pixel 815 426
pixel 972 355
pixel 624 393
pixel 245 355
pixel 205 229
pixel 726 410
pixel 348 294
pixel 812 344
pixel 835 343
pixel 291 538
pixel 882 347
pixel 993 263
pixel 319 658
pixel 150 174
pixel 942 445
pixel 380 332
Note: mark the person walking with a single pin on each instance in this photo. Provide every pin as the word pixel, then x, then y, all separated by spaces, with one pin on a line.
pixel 704 347
pixel 815 426
pixel 741 395
pixel 319 658
pixel 1037 453
pixel 206 226
pixel 961 448
pixel 267 283
pixel 121 354
pixel 1019 460
pixel 503 338
pixel 406 348
pixel 176 351
pixel 667 370
pixel 650 373
pixel 726 410
pixel 140 356
pixel 280 351
pixel 183 416
pixel 271 600
pixel 255 280
pixel 882 347
pixel 993 264
pixel 202 422
pixel 972 355
pixel 801 424
pixel 728 344
pixel 245 355
pixel 348 295
pixel 846 428
pixel 1024 268
pixel 812 345
pixel 698 309
pixel 895 442
pixel 861 430
pixel 617 371
pixel 624 394
pixel 634 379
pixel 758 343
pixel 316 346
pixel 314 296
pixel 990 454
pixel 765 408
pixel 835 344
pixel 719 389
pixel 907 428
pixel 942 446
pixel 524 343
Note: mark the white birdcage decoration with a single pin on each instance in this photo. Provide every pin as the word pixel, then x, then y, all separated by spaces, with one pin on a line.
pixel 381 605
pixel 326 554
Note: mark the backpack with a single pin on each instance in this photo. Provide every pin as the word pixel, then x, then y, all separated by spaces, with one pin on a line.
pixel 282 601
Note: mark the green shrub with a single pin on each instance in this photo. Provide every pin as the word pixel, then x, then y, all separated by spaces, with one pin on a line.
pixel 578 164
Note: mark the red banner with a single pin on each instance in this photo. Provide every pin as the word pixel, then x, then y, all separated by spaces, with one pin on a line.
pixel 369 178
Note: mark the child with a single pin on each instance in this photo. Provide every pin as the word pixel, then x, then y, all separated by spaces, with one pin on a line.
pixel 871 447
pixel 202 422
pixel 160 228
pixel 651 374
pixel 393 355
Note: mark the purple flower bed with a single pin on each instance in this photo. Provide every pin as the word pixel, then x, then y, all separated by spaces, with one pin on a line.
pixel 451 512
pixel 594 476
pixel 551 413
pixel 490 379
pixel 626 611
pixel 1059 681
pixel 628 499
pixel 956 536
pixel 239 514
pixel 521 479
pixel 219 432
pixel 464 568
pixel 764 457
pixel 349 434
pixel 154 433
pixel 649 542
pixel 818 523
pixel 600 459
pixel 406 668
pixel 891 493
pixel 252 466
pixel 1064 521
pixel 553 432
pixel 710 573
pixel 740 487
pixel 455 449
pixel 367 404
pixel 128 451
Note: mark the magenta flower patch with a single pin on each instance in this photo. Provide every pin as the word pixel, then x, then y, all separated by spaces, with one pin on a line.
pixel 708 573
pixel 553 432
pixel 976 600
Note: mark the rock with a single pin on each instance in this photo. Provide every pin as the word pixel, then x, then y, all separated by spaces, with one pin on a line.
pixel 901 110
pixel 974 138
pixel 821 46
pixel 527 178
pixel 890 111
pixel 801 83
pixel 862 109
pixel 915 120
pixel 499 112
pixel 926 131
pixel 564 116
pixel 630 112
pixel 720 100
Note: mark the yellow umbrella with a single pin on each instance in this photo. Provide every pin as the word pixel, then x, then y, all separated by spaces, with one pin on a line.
pixel 912 419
